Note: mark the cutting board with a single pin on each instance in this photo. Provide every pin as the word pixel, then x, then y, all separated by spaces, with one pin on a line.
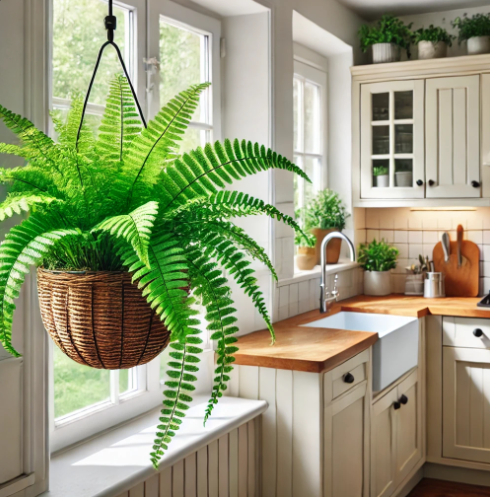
pixel 460 281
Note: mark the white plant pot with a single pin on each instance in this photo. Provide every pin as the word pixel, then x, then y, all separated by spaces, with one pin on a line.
pixel 431 50
pixel 478 45
pixel 377 283
pixel 382 181
pixel 385 52
pixel 404 178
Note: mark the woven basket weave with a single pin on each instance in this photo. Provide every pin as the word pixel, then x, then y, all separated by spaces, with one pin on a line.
pixel 100 319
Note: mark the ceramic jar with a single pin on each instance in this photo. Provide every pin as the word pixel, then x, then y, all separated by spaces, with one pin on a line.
pixel 385 52
pixel 377 283
pixel 478 45
pixel 431 50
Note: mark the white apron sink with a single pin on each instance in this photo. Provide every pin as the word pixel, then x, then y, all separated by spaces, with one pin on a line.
pixel 396 351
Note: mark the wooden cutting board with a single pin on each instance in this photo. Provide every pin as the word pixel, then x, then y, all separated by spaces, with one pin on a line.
pixel 463 281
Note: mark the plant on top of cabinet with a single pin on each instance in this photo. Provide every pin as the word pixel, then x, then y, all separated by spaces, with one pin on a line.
pixel 476 31
pixel 306 258
pixel 432 42
pixel 127 234
pixel 324 214
pixel 377 259
pixel 386 38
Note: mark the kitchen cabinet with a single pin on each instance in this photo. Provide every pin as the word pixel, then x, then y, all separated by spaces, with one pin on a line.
pixel 396 435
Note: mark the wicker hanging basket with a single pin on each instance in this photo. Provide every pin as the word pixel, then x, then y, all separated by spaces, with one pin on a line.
pixel 100 319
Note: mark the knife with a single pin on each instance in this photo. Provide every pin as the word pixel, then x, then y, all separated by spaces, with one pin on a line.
pixel 460 243
pixel 445 245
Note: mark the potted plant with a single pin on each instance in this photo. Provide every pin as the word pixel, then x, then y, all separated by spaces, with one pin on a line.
pixel 386 38
pixel 377 259
pixel 306 259
pixel 324 214
pixel 127 234
pixel 403 174
pixel 476 31
pixel 432 42
pixel 381 176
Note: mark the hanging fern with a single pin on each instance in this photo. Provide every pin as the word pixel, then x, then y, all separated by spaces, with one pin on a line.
pixel 128 200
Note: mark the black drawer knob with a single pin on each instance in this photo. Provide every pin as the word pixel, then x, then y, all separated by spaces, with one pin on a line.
pixel 475 184
pixel 478 332
pixel 420 182
pixel 403 399
pixel 396 405
pixel 431 182
pixel 349 378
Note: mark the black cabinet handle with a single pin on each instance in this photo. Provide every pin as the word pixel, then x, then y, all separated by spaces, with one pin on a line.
pixel 349 378
pixel 431 182
pixel 403 399
pixel 475 184
pixel 478 332
pixel 396 405
pixel 420 182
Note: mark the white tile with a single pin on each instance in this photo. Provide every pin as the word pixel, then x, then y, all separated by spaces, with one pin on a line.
pixel 414 237
pixel 359 237
pixel 372 219
pixel 486 237
pixel 486 269
pixel 283 296
pixel 415 221
pixel 402 249
pixel 398 283
pixel 457 220
pixel 429 237
pixel 428 249
pixel 474 236
pixel 401 222
pixel 386 235
pixel 486 253
pixel 401 265
pixel 414 250
pixel 475 220
pixel 372 235
pixel 429 221
pixel 444 221
pixel 486 285
pixel 386 219
pixel 400 236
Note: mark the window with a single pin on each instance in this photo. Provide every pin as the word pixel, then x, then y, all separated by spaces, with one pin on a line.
pixel 309 97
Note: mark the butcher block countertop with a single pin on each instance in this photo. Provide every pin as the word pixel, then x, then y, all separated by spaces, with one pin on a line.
pixel 317 350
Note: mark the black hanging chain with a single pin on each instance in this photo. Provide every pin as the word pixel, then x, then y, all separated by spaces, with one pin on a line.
pixel 110 23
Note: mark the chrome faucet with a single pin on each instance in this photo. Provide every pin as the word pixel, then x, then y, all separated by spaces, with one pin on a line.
pixel 328 298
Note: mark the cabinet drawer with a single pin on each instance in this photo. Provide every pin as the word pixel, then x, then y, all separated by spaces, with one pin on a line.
pixel 346 376
pixel 466 332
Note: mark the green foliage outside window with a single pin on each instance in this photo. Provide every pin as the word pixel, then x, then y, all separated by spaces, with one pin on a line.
pixel 377 256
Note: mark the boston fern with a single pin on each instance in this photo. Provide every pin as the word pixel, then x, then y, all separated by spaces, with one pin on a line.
pixel 127 200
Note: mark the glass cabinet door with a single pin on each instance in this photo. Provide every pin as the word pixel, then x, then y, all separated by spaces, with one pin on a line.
pixel 392 135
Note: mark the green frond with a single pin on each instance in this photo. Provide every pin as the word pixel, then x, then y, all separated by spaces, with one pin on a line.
pixel 24 246
pixel 16 204
pixel 134 227
pixel 68 132
pixel 6 148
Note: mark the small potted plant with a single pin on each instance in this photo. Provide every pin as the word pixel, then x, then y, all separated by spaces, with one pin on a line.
pixel 403 175
pixel 324 214
pixel 386 38
pixel 476 31
pixel 381 176
pixel 432 42
pixel 377 259
pixel 306 258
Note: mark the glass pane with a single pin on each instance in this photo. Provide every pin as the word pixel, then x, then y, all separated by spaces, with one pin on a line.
pixel 381 169
pixel 93 121
pixel 313 170
pixel 381 140
pixel 381 105
pixel 298 185
pixel 403 138
pixel 403 104
pixel 403 172
pixel 183 62
pixel 78 33
pixel 77 386
pixel 312 118
pixel 194 138
pixel 297 113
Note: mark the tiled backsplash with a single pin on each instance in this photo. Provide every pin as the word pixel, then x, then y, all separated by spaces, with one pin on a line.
pixel 416 232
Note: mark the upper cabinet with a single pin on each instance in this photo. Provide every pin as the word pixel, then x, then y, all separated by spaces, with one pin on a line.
pixel 416 133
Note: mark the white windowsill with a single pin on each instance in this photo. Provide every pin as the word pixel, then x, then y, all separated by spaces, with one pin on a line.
pixel 119 459
pixel 316 272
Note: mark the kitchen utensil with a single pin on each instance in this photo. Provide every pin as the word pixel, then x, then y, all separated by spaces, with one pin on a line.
pixel 445 245
pixel 460 243
pixel 432 267
pixel 434 285
pixel 463 280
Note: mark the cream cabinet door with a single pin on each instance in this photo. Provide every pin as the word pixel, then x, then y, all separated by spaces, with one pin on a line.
pixel 453 137
pixel 345 431
pixel 466 404
pixel 392 140
pixel 383 446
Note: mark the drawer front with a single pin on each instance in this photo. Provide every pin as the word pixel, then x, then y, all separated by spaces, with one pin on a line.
pixel 349 374
pixel 466 332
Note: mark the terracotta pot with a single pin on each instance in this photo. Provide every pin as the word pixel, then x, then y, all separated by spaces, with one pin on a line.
pixel 306 258
pixel 377 283
pixel 333 247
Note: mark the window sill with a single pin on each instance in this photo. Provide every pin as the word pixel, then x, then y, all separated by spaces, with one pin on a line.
pixel 316 272
pixel 119 459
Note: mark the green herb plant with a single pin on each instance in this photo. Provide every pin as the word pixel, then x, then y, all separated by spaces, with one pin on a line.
pixel 126 199
pixel 377 256
pixel 380 170
pixel 477 25
pixel 389 29
pixel 304 240
pixel 434 34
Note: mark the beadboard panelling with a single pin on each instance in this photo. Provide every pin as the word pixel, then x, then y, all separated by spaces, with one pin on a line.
pixel 226 467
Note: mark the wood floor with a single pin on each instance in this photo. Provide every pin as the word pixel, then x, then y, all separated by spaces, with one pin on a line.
pixel 438 488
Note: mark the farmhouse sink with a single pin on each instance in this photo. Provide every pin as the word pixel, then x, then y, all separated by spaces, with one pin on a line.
pixel 396 351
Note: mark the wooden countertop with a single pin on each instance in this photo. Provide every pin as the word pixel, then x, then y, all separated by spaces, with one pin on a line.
pixel 317 350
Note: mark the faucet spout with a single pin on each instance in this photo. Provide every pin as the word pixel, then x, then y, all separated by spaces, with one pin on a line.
pixel 327 298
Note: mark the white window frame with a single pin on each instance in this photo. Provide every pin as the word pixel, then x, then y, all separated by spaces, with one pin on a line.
pixel 308 73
